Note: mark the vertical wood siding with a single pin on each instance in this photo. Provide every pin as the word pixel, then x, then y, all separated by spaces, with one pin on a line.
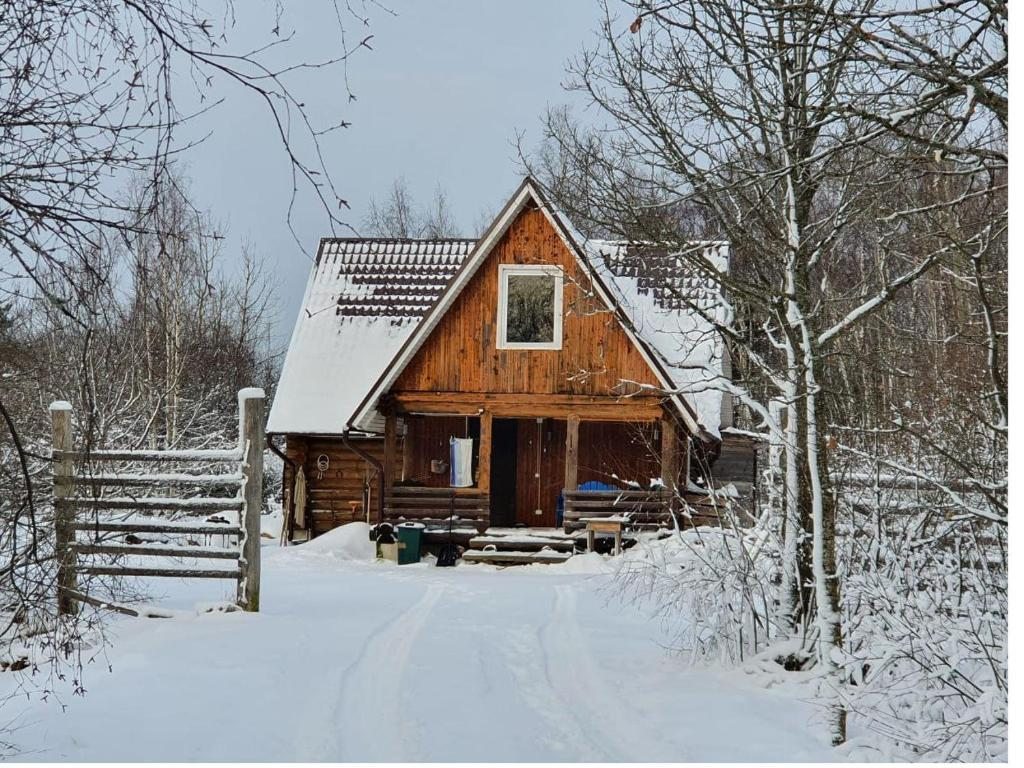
pixel 427 438
pixel 610 450
pixel 542 493
pixel 461 354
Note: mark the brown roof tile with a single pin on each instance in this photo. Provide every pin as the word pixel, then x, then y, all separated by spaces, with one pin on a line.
pixel 390 277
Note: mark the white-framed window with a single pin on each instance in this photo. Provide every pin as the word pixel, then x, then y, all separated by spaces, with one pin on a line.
pixel 529 307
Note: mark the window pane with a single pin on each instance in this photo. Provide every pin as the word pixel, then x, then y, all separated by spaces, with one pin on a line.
pixel 531 309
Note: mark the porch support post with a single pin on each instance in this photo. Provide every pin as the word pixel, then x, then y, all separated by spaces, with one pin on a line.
pixel 390 455
pixel 572 445
pixel 483 482
pixel 669 453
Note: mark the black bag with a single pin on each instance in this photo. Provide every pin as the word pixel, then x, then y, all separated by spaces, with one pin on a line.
pixel 449 553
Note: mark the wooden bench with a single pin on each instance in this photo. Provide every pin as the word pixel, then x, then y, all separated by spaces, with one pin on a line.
pixel 612 525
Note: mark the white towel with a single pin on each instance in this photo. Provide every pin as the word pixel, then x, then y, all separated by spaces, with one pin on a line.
pixel 462 462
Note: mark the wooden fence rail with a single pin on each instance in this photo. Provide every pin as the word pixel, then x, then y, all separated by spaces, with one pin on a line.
pixel 72 479
pixel 433 506
pixel 642 507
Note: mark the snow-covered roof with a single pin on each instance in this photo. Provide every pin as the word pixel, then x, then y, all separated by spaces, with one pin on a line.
pixel 371 303
pixel 363 300
pixel 672 308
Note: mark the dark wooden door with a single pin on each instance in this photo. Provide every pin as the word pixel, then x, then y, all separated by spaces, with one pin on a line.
pixel 541 471
pixel 504 444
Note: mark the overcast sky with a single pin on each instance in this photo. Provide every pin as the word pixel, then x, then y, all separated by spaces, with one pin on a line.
pixel 440 99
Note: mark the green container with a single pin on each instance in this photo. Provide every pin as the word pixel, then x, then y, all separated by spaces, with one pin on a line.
pixel 410 542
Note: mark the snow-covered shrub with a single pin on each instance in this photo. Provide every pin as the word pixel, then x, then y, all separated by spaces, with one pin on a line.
pixel 924 608
pixel 924 583
pixel 928 668
pixel 714 586
pixel 926 634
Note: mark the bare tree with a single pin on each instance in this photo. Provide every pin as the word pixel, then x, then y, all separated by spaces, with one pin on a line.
pixel 780 128
pixel 438 220
pixel 93 93
pixel 396 216
pixel 87 96
pixel 400 216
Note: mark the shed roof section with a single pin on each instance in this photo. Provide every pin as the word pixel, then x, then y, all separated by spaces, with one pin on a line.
pixel 363 299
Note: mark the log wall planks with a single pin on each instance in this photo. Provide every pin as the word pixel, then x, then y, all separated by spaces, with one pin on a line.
pixel 331 494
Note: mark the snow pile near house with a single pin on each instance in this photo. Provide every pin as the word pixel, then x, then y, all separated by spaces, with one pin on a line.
pixel 671 308
pixel 582 564
pixel 346 542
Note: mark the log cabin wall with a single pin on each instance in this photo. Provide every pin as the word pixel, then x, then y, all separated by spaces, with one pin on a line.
pixel 335 496
pixel 426 440
pixel 737 465
pixel 461 354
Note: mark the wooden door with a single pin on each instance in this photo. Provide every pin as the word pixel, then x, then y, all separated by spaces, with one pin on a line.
pixel 540 471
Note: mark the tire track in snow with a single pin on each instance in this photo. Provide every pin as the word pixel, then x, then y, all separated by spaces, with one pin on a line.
pixel 602 713
pixel 370 691
pixel 525 658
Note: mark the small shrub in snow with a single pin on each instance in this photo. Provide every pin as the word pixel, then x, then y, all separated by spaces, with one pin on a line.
pixel 713 584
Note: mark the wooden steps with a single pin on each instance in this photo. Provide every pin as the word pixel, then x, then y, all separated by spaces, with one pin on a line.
pixel 496 557
pixel 520 546
pixel 522 543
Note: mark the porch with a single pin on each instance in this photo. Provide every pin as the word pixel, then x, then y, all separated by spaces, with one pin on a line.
pixel 537 462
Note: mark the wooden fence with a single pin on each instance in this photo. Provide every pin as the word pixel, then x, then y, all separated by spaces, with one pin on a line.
pixel 82 480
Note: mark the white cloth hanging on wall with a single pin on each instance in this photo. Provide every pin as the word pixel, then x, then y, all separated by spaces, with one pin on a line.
pixel 461 462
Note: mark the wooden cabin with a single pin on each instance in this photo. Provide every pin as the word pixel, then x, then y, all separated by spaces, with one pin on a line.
pixel 578 370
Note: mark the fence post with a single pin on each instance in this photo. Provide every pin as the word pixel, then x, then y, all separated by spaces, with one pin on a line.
pixel 63 514
pixel 251 408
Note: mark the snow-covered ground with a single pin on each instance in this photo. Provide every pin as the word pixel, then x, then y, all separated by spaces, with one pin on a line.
pixel 352 659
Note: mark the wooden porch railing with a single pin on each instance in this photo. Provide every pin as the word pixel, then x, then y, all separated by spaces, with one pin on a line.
pixel 433 506
pixel 644 508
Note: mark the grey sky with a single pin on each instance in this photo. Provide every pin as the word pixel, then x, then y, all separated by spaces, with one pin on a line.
pixel 439 101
